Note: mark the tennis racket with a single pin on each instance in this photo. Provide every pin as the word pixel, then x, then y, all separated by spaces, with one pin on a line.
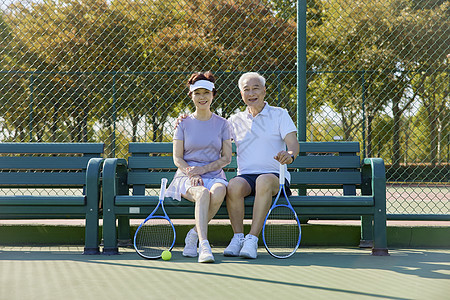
pixel 157 232
pixel 281 231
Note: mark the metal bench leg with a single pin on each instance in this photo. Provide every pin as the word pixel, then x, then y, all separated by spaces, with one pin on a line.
pixel 91 233
pixel 109 233
pixel 124 239
pixel 366 232
pixel 380 242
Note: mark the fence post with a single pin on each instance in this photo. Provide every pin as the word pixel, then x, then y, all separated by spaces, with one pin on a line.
pixel 301 70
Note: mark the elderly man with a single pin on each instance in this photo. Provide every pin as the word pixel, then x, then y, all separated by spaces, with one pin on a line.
pixel 265 137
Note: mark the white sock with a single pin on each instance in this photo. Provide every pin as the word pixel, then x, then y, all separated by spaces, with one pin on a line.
pixel 206 242
pixel 239 235
pixel 252 236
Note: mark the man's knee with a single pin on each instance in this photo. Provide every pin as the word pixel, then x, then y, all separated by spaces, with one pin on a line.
pixel 237 188
pixel 266 183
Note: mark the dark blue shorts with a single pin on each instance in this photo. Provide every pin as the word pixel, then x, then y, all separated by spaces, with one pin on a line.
pixel 251 179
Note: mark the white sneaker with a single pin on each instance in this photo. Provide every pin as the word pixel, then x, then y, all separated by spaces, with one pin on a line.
pixel 205 253
pixel 250 247
pixel 191 240
pixel 235 245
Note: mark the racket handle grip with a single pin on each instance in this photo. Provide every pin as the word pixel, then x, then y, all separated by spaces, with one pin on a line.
pixel 163 188
pixel 282 170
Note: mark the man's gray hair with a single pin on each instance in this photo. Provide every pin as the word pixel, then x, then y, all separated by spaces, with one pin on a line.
pixel 251 74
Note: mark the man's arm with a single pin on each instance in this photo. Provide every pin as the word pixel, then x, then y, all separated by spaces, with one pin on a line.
pixel 288 157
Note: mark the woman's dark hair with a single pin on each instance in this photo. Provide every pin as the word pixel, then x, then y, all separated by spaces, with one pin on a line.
pixel 202 76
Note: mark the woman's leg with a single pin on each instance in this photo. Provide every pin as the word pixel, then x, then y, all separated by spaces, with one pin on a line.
pixel 217 195
pixel 201 196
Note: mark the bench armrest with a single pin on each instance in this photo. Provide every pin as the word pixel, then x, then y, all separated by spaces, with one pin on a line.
pixel 93 171
pixel 115 171
pixel 374 176
pixel 375 170
pixel 114 183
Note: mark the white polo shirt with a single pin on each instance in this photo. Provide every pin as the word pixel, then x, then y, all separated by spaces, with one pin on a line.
pixel 258 139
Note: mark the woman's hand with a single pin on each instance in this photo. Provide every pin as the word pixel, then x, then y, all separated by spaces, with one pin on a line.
pixel 196 180
pixel 195 171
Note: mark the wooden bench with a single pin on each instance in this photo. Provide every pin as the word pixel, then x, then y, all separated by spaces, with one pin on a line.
pixel 323 166
pixel 34 175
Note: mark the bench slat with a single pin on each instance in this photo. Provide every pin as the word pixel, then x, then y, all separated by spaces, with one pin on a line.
pixel 43 163
pixel 166 162
pixel 309 162
pixel 331 201
pixel 314 178
pixel 150 148
pixel 329 147
pixel 42 211
pixel 42 200
pixel 94 148
pixel 151 162
pixel 46 179
pixel 326 162
pixel 325 178
pixel 149 178
pixel 301 201
pixel 324 147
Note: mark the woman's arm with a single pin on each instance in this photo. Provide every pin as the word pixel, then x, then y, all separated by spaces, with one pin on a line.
pixel 224 160
pixel 178 156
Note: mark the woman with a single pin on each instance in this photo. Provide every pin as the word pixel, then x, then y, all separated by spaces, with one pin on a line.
pixel 201 148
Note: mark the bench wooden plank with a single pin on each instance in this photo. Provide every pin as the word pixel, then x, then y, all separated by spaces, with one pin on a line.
pixel 153 162
pixel 149 178
pixel 43 200
pixel 329 147
pixel 51 148
pixel 324 161
pixel 42 179
pixel 325 178
pixel 43 163
pixel 309 162
pixel 330 201
pixel 150 148
pixel 43 211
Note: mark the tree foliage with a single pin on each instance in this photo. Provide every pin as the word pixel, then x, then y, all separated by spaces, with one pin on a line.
pixel 83 70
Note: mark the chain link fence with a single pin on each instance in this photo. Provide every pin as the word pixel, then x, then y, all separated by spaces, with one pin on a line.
pixel 116 72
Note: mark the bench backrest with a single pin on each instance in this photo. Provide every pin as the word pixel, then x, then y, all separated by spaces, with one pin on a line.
pixel 319 165
pixel 44 165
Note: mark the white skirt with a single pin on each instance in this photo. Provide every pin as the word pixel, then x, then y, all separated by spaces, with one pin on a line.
pixel 180 185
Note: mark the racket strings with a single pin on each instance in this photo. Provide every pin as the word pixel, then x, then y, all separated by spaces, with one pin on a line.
pixel 154 236
pixel 281 231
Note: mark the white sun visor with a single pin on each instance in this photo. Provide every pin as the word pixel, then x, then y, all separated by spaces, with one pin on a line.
pixel 201 84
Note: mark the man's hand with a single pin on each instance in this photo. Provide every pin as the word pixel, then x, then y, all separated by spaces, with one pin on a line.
pixel 180 119
pixel 284 157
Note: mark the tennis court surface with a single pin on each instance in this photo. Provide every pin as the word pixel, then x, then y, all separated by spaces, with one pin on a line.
pixel 61 272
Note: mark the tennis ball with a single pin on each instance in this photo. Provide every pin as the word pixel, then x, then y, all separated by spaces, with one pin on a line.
pixel 166 255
